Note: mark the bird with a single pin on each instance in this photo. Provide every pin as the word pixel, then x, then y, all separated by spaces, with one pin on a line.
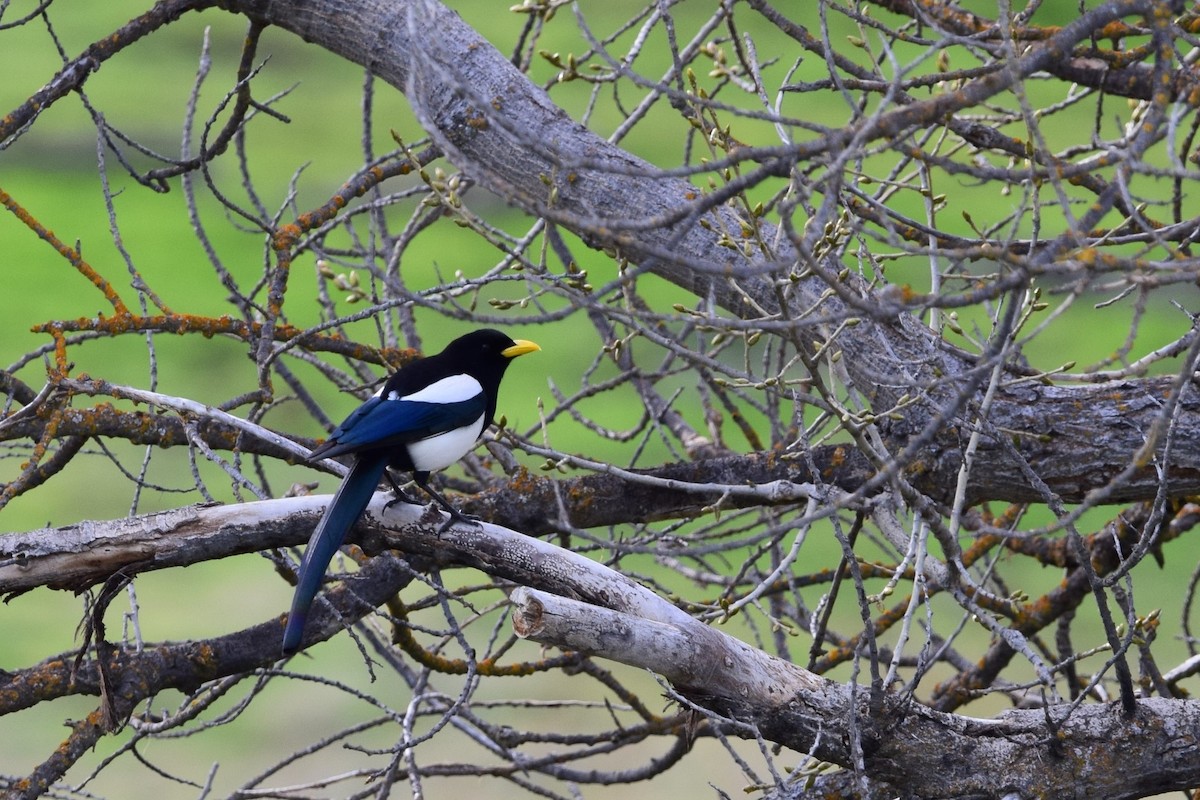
pixel 427 416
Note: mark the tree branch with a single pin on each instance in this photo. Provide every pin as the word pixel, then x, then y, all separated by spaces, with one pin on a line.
pixel 77 556
pixel 904 743
pixel 901 741
pixel 508 135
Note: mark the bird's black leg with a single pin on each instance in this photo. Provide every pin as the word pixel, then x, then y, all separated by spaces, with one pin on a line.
pixel 401 496
pixel 422 480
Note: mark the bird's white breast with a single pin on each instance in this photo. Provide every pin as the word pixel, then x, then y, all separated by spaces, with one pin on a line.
pixel 443 449
pixel 440 451
pixel 453 389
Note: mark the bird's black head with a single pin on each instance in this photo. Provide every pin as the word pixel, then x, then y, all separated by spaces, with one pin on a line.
pixel 487 346
pixel 484 355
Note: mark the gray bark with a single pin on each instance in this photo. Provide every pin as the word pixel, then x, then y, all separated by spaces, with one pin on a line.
pixel 905 748
pixel 1041 440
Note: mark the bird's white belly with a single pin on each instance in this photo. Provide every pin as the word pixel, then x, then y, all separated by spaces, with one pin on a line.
pixel 440 451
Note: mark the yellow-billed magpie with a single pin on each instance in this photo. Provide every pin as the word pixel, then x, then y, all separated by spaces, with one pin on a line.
pixel 427 416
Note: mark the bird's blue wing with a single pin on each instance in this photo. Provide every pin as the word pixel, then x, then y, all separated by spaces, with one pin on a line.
pixel 388 423
pixel 390 419
pixel 343 511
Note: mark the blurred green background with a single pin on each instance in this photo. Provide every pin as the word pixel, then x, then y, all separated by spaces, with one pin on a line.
pixel 52 172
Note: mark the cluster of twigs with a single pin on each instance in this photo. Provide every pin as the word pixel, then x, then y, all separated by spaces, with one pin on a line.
pixel 814 378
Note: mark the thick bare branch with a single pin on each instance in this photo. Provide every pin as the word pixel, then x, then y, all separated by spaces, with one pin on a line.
pixel 903 744
pixel 487 116
pixel 863 292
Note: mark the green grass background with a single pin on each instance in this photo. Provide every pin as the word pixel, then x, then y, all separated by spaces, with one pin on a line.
pixel 52 172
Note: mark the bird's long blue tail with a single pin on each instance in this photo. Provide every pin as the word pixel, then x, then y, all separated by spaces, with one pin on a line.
pixel 343 511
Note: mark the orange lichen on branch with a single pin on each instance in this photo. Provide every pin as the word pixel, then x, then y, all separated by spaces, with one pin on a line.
pixel 26 688
pixel 402 636
pixel 286 236
pixel 1117 30
pixel 888 618
pixel 69 253
pixel 1119 59
pixel 965 23
pixel 75 72
pixel 61 367
pixel 219 326
pixel 140 428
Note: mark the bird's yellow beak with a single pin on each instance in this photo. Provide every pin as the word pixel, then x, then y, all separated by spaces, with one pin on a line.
pixel 519 348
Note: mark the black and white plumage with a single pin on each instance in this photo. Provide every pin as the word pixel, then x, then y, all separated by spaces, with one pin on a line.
pixel 427 416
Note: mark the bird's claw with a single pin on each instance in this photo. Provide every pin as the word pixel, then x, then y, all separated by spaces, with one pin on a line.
pixel 458 516
pixel 400 497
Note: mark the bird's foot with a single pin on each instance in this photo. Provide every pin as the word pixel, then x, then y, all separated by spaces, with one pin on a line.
pixel 400 497
pixel 458 516
pixel 421 479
